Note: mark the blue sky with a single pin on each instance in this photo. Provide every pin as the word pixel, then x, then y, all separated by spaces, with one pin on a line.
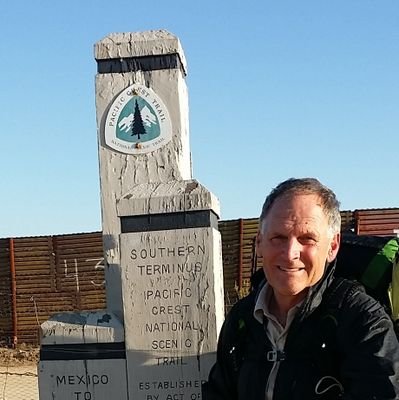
pixel 276 89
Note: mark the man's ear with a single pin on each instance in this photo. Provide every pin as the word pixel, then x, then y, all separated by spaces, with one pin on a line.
pixel 334 247
pixel 258 243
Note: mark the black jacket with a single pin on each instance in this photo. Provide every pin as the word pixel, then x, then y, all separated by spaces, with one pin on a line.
pixel 350 340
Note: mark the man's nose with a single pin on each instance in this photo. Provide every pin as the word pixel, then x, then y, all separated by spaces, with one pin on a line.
pixel 292 249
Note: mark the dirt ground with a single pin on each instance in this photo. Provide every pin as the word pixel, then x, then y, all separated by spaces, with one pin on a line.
pixel 18 373
pixel 23 355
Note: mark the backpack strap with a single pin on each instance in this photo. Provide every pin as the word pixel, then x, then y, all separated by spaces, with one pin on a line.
pixel 318 340
pixel 380 264
pixel 335 296
pixel 338 291
pixel 238 328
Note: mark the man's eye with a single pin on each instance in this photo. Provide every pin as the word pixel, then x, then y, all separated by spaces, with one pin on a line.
pixel 307 240
pixel 277 239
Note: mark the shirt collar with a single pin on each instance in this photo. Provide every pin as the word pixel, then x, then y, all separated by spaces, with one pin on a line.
pixel 262 304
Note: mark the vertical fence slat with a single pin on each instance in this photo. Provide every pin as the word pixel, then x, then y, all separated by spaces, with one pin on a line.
pixel 5 294
pixel 13 296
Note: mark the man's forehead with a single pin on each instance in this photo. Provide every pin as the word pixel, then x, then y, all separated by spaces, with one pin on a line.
pixel 305 224
pixel 305 209
pixel 293 201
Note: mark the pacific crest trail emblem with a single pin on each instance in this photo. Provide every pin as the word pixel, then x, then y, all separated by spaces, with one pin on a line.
pixel 137 121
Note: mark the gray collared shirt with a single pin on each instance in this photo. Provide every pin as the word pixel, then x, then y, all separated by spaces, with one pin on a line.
pixel 276 333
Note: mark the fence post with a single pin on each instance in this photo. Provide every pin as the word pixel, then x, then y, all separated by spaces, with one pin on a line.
pixel 13 296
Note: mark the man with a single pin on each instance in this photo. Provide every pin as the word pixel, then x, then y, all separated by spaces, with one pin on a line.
pixel 304 334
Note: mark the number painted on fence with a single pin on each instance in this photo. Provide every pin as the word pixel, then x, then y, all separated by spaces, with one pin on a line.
pixel 74 275
pixel 98 266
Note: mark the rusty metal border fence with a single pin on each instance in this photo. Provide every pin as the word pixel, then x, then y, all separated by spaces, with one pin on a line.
pixel 41 276
pixel 378 222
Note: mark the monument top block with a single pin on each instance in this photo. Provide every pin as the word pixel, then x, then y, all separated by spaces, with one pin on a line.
pixel 170 197
pixel 139 44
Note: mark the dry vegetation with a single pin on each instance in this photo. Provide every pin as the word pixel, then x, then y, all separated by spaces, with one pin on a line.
pixel 22 355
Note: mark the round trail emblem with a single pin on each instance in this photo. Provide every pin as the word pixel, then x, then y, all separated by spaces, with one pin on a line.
pixel 137 121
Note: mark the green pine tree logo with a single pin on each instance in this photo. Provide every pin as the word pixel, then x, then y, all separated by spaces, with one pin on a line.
pixel 138 128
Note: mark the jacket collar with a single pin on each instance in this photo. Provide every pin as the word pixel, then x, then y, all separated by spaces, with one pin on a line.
pixel 315 293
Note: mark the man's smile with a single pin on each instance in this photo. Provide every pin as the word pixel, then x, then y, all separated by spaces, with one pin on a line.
pixel 287 269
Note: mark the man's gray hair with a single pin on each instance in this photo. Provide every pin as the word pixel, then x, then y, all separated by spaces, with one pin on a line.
pixel 295 186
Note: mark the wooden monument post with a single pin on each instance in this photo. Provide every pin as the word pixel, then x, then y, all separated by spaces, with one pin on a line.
pixel 162 247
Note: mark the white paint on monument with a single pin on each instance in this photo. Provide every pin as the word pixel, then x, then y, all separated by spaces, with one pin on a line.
pixel 119 171
pixel 165 285
pixel 172 287
pixel 169 306
pixel 82 380
pixel 170 197
pixel 85 327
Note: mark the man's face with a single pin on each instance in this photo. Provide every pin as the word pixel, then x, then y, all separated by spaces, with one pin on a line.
pixel 295 242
